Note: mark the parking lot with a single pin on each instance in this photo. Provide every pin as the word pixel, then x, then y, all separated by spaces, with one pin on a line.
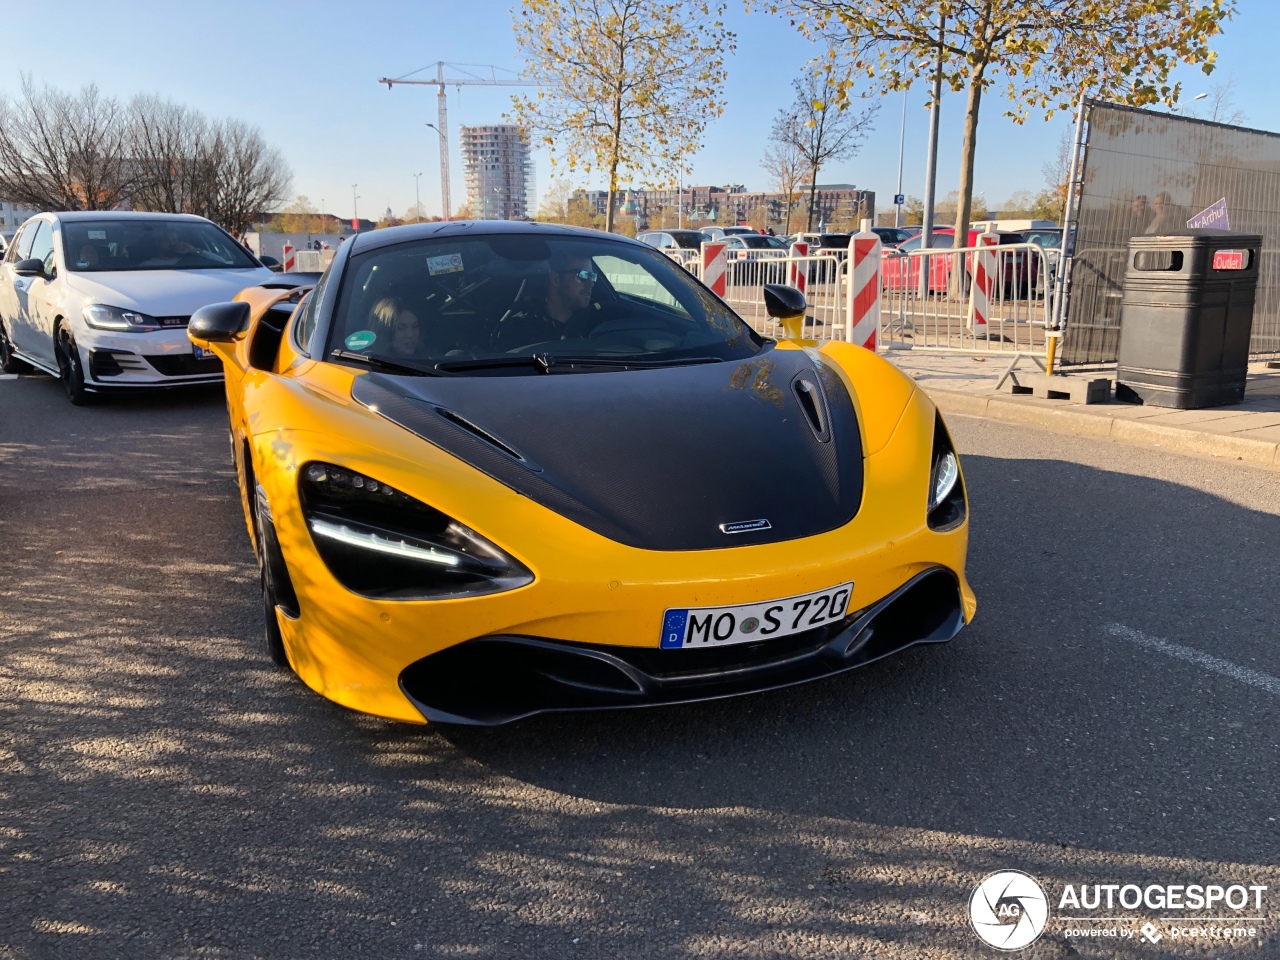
pixel 165 793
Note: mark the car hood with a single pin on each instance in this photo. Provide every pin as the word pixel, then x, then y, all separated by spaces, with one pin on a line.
pixel 166 293
pixel 677 458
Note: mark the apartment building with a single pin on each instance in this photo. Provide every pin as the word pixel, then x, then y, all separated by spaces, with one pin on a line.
pixel 497 167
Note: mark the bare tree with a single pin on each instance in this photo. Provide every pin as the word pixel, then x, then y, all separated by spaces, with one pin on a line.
pixel 820 130
pixel 249 176
pixel 1221 104
pixel 783 162
pixel 169 147
pixel 62 151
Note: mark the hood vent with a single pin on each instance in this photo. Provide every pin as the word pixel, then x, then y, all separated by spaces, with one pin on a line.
pixel 813 403
pixel 485 436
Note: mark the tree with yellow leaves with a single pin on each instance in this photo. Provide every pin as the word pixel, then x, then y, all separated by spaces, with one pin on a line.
pixel 627 86
pixel 1045 54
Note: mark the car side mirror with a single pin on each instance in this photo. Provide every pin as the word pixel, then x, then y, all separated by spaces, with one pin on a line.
pixel 786 304
pixel 29 268
pixel 219 322
pixel 271 263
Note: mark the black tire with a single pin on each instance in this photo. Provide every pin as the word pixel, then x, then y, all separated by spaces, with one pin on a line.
pixel 8 362
pixel 70 370
pixel 272 639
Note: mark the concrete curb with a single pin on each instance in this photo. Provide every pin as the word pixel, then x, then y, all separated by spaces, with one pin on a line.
pixel 1264 453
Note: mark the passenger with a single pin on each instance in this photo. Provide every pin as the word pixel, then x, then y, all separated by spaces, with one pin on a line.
pixel 390 319
pixel 88 259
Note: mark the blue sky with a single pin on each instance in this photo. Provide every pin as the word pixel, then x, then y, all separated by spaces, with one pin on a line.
pixel 306 74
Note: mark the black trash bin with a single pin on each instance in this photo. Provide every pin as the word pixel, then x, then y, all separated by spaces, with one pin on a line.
pixel 1186 318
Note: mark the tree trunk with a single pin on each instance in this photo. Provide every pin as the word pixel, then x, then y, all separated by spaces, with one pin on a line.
pixel 813 191
pixel 967 151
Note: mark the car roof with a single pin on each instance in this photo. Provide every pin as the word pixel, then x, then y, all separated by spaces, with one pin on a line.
pixel 72 216
pixel 375 239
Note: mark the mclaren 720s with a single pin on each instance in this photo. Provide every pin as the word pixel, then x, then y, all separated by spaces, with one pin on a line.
pixel 496 469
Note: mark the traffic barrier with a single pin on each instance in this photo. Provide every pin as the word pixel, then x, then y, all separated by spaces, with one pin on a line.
pixel 798 274
pixel 926 299
pixel 862 325
pixel 713 267
pixel 983 270
pixel 288 259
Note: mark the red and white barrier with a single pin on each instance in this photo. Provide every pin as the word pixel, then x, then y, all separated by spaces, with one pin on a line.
pixel 984 283
pixel 288 258
pixel 713 267
pixel 862 323
pixel 798 273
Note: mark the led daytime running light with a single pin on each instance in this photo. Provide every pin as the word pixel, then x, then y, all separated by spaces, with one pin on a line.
pixel 945 475
pixel 371 541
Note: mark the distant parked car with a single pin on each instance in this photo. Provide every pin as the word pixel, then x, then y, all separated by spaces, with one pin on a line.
pixel 719 233
pixel 899 272
pixel 101 299
pixel 750 258
pixel 672 241
pixel 892 236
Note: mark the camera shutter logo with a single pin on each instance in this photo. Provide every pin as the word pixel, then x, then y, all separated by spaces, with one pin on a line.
pixel 1008 910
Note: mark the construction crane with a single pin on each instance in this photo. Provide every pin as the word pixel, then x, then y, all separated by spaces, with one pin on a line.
pixel 441 125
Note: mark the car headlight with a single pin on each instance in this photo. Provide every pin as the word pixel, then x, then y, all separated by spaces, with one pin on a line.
pixel 100 316
pixel 946 509
pixel 384 544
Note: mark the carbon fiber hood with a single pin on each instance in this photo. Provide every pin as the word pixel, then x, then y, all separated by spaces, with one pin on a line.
pixel 656 459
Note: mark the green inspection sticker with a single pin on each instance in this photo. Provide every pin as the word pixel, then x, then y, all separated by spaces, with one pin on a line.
pixel 361 340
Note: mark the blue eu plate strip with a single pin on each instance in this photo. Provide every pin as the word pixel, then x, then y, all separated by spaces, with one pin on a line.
pixel 673 629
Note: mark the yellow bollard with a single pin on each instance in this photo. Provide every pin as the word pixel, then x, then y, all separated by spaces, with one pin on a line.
pixel 1053 349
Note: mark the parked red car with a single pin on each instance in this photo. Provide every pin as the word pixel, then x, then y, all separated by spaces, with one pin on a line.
pixel 1021 269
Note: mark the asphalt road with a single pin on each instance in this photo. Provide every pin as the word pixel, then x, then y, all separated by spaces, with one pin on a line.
pixel 1110 717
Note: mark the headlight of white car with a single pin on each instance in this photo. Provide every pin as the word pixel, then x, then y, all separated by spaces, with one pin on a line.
pixel 103 317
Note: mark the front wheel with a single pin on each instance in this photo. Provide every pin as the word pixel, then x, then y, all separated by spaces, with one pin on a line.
pixel 8 362
pixel 70 369
pixel 272 639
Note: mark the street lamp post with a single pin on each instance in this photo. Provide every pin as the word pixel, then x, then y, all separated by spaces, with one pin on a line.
pixel 355 210
pixel 445 199
pixel 902 143
pixel 1198 96
pixel 417 203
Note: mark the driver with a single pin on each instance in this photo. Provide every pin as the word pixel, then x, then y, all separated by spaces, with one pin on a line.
pixel 562 314
pixel 171 245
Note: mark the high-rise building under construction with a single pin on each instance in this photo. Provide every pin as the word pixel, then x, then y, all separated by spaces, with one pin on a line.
pixel 497 165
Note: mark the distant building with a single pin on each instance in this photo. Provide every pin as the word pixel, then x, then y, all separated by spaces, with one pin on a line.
pixel 14 215
pixel 833 201
pixel 497 165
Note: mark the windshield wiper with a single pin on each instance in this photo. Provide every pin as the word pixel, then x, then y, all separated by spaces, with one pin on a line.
pixel 379 363
pixel 545 362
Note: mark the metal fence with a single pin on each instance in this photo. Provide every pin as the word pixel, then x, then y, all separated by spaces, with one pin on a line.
pixel 826 283
pixel 928 302
pixel 1149 173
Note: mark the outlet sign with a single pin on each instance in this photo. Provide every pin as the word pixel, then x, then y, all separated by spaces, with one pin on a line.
pixel 1230 259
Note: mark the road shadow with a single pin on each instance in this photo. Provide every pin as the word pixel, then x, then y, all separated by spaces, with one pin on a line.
pixel 164 793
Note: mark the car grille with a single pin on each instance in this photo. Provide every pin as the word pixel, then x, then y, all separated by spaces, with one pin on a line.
pixel 184 365
pixel 112 363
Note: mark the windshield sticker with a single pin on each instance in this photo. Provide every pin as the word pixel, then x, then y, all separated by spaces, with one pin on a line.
pixel 97 234
pixel 449 263
pixel 361 340
pixel 82 264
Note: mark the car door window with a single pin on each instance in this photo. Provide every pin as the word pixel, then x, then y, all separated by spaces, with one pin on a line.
pixel 22 243
pixel 634 280
pixel 42 246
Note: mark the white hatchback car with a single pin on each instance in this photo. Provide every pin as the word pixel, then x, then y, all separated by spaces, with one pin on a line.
pixel 101 299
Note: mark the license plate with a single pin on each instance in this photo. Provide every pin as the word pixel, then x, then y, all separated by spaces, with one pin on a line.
pixel 202 353
pixel 747 622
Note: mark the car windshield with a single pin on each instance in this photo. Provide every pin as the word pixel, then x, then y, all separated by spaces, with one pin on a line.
pixel 939 240
pixel 757 242
pixel 102 246
pixel 523 304
pixel 1046 238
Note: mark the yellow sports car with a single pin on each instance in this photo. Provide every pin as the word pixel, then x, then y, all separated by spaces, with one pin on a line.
pixel 495 469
